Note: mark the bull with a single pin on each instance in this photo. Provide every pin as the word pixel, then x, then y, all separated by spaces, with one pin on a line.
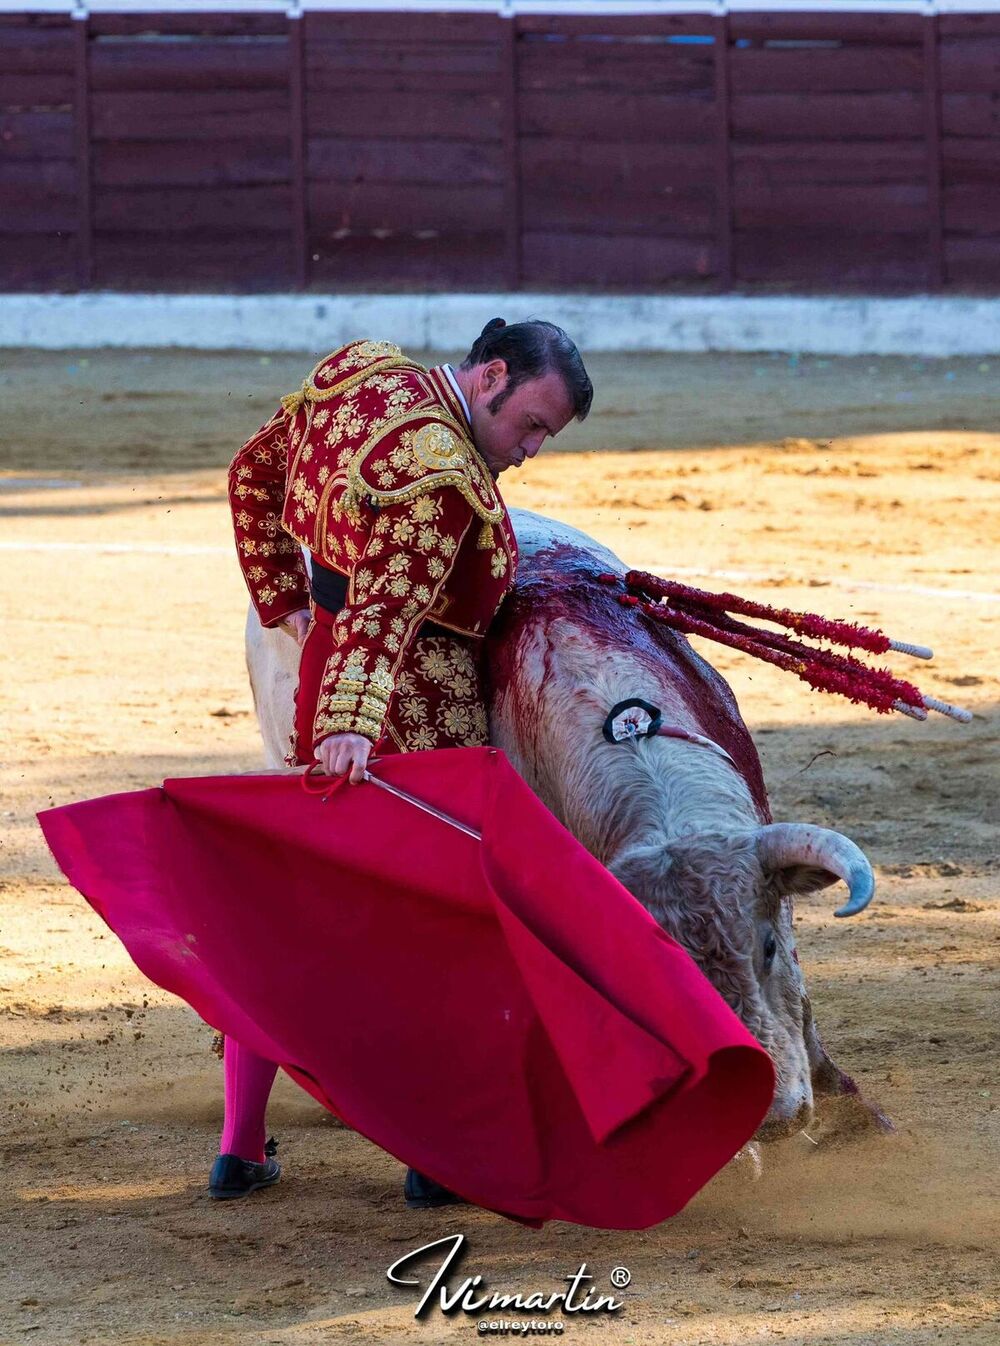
pixel 681 817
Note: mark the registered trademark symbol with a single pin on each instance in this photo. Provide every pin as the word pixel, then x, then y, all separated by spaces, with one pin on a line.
pixel 620 1277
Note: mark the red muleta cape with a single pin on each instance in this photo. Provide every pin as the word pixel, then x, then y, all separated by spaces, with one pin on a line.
pixel 501 1015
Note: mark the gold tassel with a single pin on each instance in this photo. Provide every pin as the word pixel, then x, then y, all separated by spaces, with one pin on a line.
pixel 485 537
pixel 291 402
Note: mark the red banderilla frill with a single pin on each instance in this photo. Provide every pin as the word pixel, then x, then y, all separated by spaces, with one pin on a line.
pixel 697 612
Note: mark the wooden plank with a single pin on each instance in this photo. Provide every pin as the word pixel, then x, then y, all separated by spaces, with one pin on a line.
pixel 615 260
pixel 973 209
pixel 512 205
pixel 208 63
pixel 971 159
pixel 339 87
pixel 582 66
pixel 297 148
pixel 411 161
pixel 82 150
pixel 50 89
pixel 361 208
pixel 54 175
pixel 651 211
pixel 368 59
pixel 398 27
pixel 19 23
pixel 613 26
pixel 445 262
pixel 218 163
pixel 968 26
pixel 214 24
pixel 33 51
pixel 973 114
pixel 36 135
pixel 38 262
pixel 192 113
pixel 829 25
pixel 829 257
pixel 970 65
pixel 240 260
pixel 618 116
pixel 932 124
pixel 972 261
pixel 723 151
pixel 455 117
pixel 34 208
pixel 847 69
pixel 852 162
pixel 818 116
pixel 895 208
pixel 157 210
pixel 613 167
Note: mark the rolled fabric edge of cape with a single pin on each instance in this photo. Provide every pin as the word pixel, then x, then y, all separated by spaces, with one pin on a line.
pixel 729 1064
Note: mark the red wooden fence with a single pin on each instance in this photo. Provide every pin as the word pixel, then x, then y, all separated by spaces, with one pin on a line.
pixel 469 151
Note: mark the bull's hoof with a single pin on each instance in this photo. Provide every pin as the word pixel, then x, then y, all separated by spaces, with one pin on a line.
pixel 846 1118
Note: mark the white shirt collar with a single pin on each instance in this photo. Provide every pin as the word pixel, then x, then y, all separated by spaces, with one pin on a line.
pixel 449 374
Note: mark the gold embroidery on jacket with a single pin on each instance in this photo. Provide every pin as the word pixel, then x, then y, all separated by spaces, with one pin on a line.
pixel 412 448
pixel 355 698
pixel 372 356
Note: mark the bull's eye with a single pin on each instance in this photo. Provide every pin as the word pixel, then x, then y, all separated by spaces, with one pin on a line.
pixel 770 949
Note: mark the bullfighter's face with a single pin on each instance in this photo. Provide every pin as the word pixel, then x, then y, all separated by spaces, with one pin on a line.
pixel 508 429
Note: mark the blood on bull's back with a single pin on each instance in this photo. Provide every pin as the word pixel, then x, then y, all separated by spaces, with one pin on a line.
pixel 561 622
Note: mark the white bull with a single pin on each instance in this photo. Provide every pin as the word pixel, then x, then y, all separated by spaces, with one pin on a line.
pixel 681 818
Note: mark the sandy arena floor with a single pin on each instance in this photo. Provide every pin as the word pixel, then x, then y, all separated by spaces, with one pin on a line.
pixel 862 488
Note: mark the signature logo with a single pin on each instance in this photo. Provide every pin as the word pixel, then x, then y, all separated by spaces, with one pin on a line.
pixel 471 1295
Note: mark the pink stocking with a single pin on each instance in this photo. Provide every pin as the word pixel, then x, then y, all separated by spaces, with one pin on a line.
pixel 248 1083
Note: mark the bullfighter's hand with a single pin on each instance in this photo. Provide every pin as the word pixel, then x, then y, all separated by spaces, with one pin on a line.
pixel 340 753
pixel 296 624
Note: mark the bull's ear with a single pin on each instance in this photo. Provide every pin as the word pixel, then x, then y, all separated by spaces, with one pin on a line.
pixel 795 880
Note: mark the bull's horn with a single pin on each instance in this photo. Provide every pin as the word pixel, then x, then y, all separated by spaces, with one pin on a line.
pixel 781 845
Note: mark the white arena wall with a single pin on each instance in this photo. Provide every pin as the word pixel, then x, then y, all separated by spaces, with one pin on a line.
pixel 920 325
pixel 927 325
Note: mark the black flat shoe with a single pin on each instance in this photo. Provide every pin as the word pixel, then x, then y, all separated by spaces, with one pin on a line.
pixel 423 1193
pixel 233 1177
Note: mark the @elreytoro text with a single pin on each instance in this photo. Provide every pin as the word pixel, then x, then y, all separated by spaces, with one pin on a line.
pixel 443 1288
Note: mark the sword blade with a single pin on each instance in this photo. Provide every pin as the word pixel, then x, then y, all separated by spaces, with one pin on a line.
pixel 424 806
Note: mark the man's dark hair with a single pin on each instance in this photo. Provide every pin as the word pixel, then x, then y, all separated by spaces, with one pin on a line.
pixel 531 349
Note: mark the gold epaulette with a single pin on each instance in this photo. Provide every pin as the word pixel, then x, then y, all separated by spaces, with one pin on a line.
pixel 436 454
pixel 344 369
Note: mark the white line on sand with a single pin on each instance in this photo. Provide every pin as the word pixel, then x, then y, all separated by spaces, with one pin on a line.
pixel 118 548
pixel 745 576
pixel 38 484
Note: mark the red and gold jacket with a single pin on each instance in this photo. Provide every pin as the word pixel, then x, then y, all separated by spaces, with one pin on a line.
pixel 371 467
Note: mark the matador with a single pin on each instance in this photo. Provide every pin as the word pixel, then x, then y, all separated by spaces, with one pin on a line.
pixel 385 473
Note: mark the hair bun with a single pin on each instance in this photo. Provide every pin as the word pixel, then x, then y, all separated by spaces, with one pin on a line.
pixel 494 325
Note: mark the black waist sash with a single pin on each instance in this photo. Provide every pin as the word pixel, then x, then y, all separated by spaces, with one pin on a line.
pixel 329 591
